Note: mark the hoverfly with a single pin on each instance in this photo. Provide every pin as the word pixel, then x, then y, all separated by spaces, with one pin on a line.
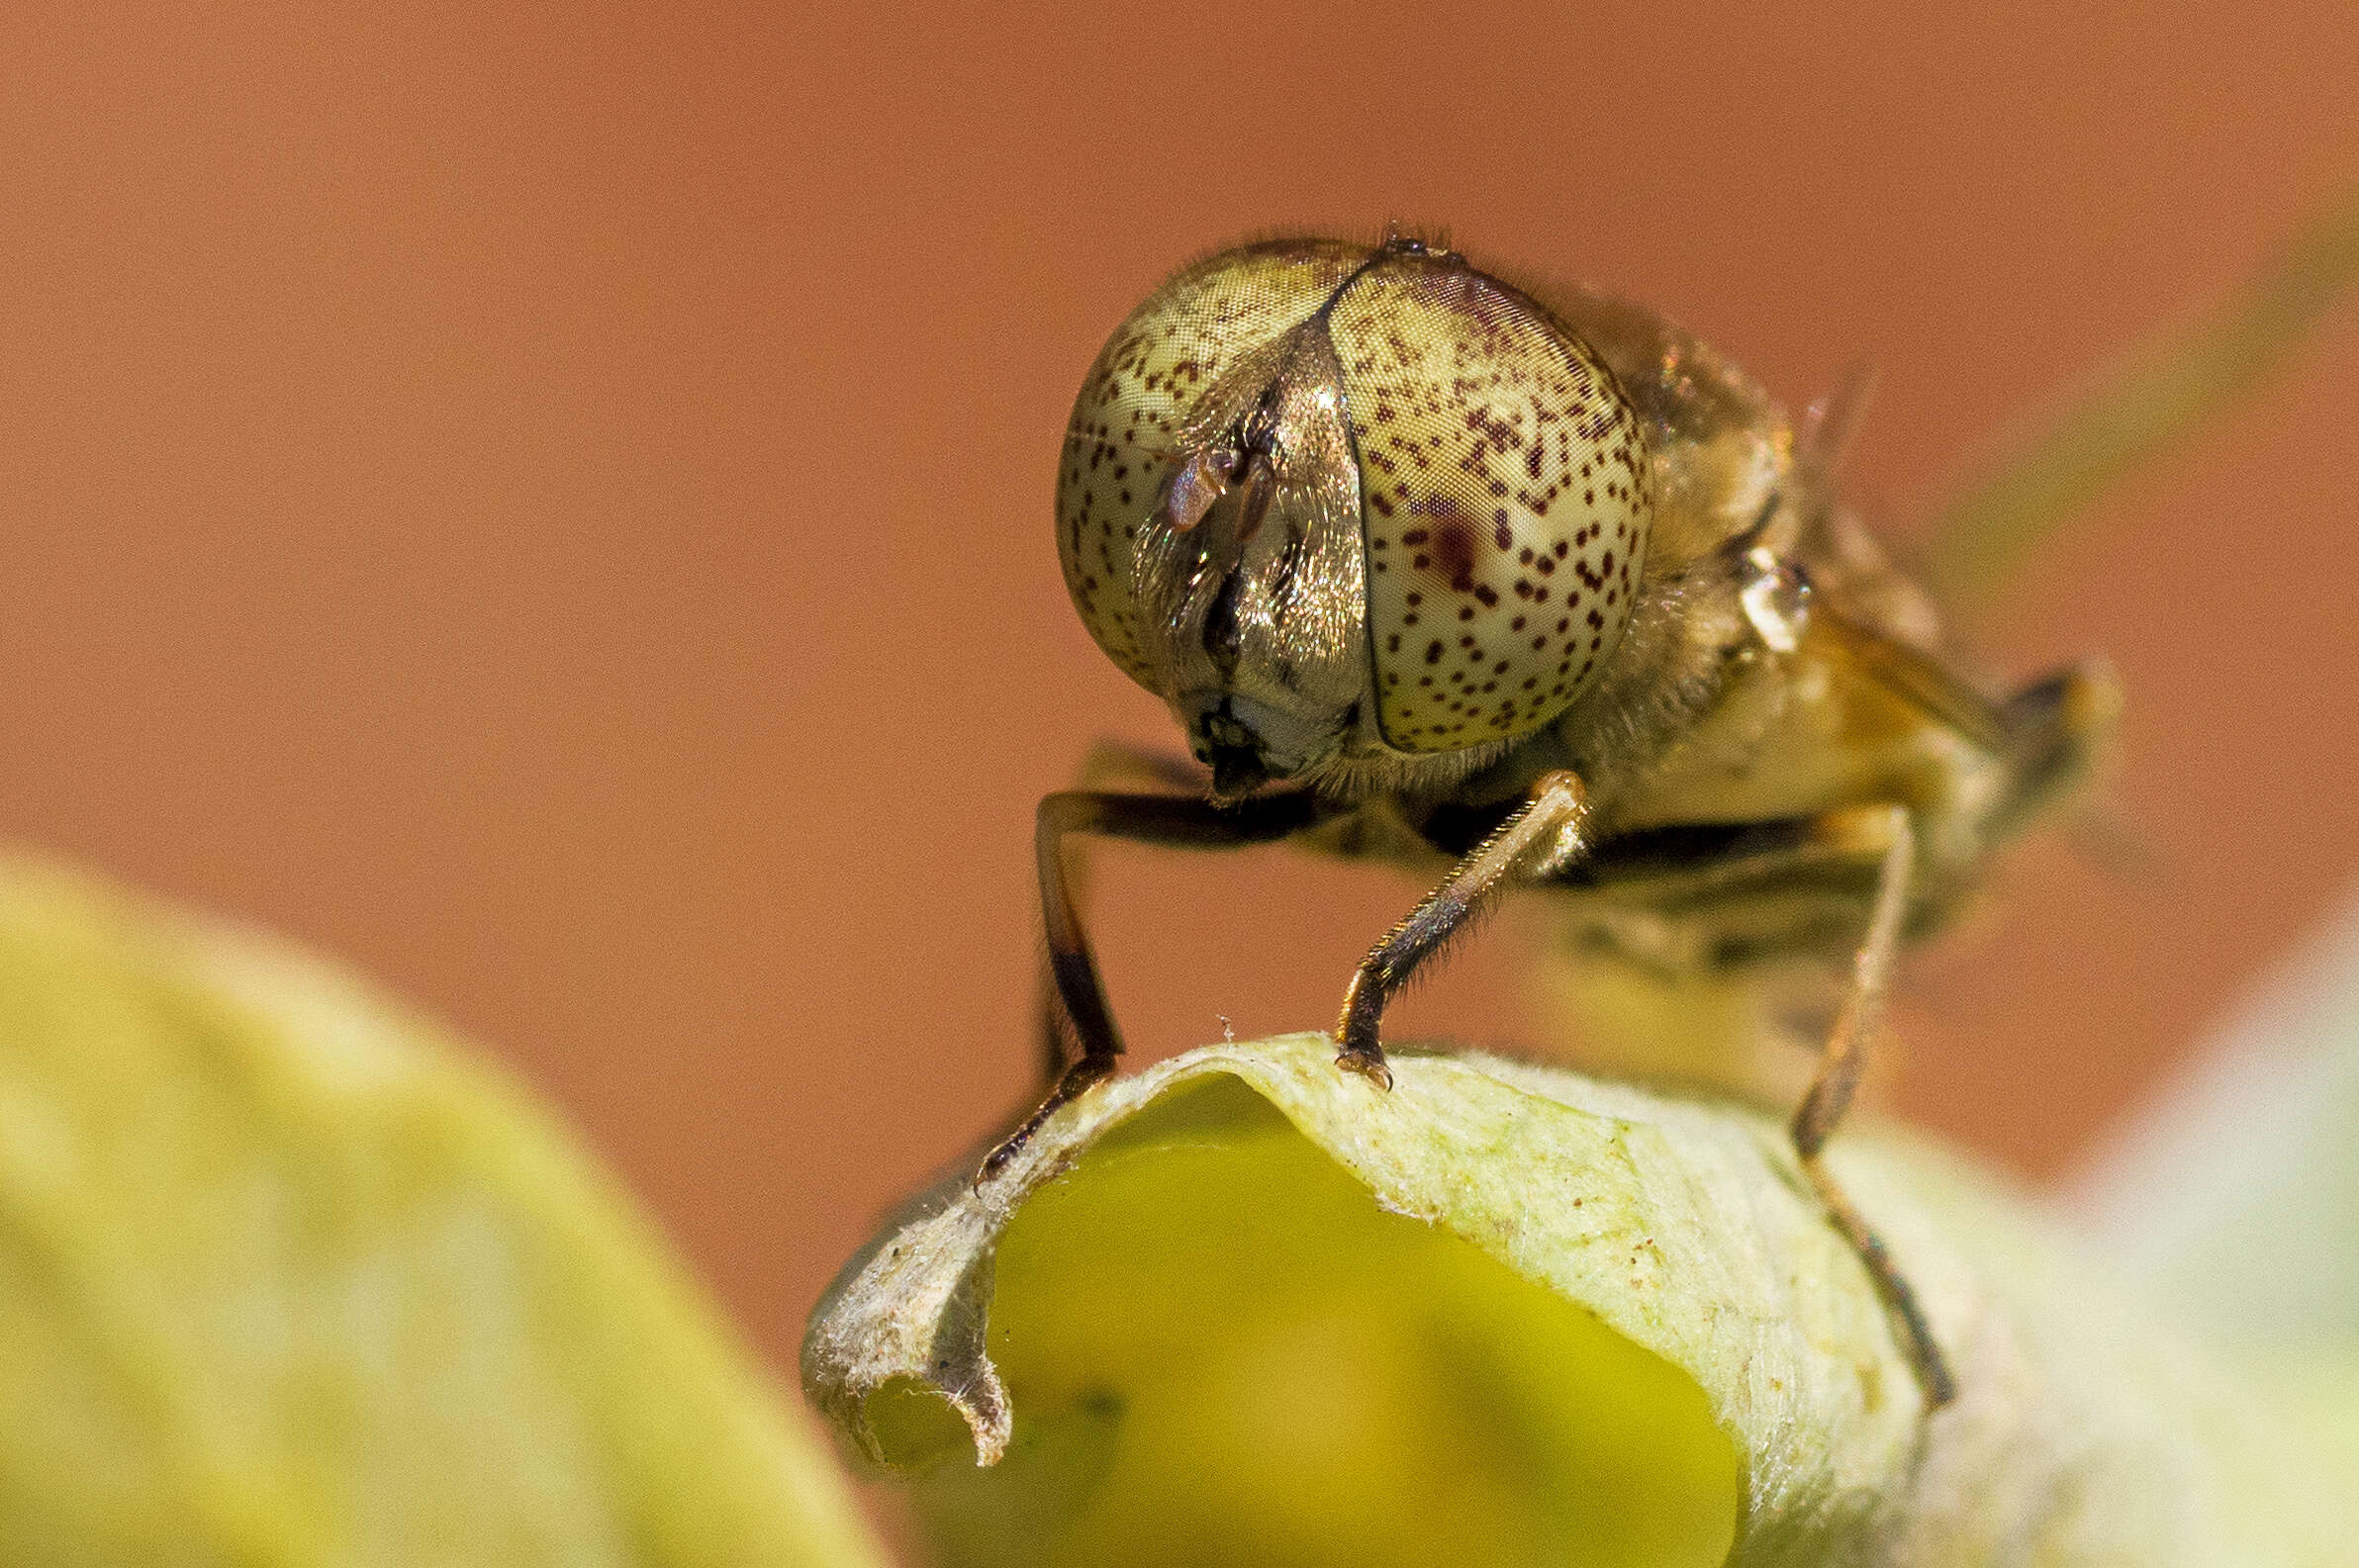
pixel 1520 586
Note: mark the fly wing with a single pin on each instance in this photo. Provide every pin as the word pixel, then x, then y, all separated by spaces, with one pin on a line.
pixel 1916 676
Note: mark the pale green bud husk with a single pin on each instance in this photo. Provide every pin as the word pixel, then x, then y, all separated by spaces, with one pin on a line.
pixel 1243 1306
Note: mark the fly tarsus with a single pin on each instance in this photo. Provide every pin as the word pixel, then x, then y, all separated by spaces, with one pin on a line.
pixel 1076 1081
pixel 1924 1351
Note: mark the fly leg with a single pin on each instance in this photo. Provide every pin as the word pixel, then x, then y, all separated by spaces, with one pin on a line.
pixel 1841 1065
pixel 1174 820
pixel 1110 763
pixel 1814 873
pixel 1817 869
pixel 1541 838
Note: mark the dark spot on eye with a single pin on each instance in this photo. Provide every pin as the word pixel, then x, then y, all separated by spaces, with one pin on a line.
pixel 1432 652
pixel 1451 540
pixel 1453 552
pixel 1487 595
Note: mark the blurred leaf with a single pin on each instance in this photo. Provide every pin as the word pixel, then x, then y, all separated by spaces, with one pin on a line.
pixel 2237 1198
pixel 2238 1194
pixel 2153 400
pixel 285 1279
pixel 1506 1313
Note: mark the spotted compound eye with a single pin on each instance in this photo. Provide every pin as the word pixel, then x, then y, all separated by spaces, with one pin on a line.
pixel 1504 498
pixel 1501 475
pixel 1122 462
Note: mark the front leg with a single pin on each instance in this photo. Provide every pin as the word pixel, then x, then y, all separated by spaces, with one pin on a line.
pixel 1542 837
pixel 1110 766
pixel 1174 820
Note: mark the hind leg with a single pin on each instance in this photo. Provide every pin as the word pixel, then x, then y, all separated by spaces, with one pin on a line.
pixel 1808 879
pixel 1840 1063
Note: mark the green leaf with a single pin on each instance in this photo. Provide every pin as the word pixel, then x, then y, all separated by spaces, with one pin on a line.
pixel 2238 1195
pixel 2150 403
pixel 285 1279
pixel 1245 1308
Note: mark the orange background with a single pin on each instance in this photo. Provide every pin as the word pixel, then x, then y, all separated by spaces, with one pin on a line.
pixel 555 507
